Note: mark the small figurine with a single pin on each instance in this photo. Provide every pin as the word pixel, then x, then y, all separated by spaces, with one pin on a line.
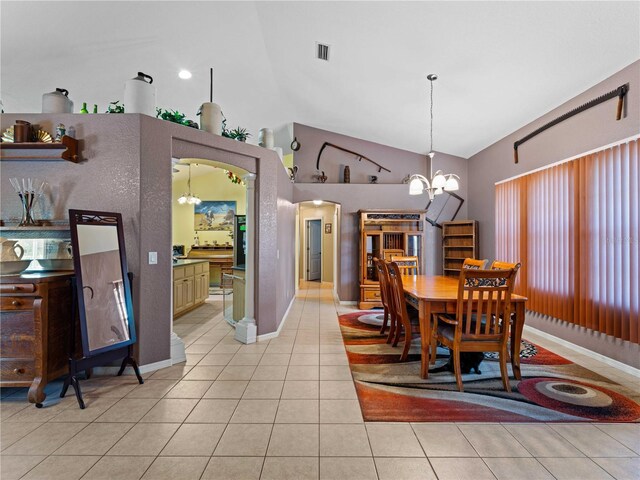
pixel 60 132
pixel 373 179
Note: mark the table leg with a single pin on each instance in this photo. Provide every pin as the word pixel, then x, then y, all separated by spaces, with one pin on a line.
pixel 516 337
pixel 424 314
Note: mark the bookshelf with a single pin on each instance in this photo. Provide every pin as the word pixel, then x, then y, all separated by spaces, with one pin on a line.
pixel 459 241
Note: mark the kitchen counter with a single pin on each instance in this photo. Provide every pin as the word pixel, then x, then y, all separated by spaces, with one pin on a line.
pixel 238 268
pixel 182 263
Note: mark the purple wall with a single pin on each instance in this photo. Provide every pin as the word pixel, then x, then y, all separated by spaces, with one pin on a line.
pixel 588 130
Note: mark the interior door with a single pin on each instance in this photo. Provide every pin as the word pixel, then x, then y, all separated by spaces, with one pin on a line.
pixel 314 249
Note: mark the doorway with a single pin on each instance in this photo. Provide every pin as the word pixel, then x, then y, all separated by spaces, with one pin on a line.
pixel 314 249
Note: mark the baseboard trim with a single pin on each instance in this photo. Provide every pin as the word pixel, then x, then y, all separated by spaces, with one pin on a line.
pixel 585 351
pixel 149 367
pixel 348 302
pixel 269 336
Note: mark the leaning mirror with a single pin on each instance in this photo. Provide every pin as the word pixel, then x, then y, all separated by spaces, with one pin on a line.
pixel 102 284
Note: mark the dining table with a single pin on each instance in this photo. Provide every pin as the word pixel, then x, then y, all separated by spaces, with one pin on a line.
pixel 431 294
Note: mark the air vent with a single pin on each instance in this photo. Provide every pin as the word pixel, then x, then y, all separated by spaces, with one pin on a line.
pixel 322 51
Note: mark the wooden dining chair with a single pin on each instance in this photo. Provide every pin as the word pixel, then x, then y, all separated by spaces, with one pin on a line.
pixel 497 265
pixel 483 304
pixel 399 308
pixel 474 264
pixel 385 297
pixel 407 265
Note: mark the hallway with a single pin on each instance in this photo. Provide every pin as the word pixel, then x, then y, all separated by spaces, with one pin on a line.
pixel 281 409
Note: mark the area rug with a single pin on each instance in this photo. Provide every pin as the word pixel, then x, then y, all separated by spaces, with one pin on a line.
pixel 552 389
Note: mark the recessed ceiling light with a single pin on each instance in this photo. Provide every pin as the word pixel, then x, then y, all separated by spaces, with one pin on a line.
pixel 184 74
pixel 317 203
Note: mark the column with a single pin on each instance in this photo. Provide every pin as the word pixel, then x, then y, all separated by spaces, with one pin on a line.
pixel 246 329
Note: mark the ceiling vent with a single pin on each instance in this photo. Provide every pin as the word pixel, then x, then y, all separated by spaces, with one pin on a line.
pixel 322 51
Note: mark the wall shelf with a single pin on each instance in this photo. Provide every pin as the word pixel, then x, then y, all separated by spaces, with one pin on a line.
pixel 67 149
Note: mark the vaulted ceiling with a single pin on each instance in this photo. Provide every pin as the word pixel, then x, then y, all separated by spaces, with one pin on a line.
pixel 500 64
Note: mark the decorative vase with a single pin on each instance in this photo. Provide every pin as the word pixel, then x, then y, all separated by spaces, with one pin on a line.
pixel 211 118
pixel 265 138
pixel 57 102
pixel 140 95
pixel 347 174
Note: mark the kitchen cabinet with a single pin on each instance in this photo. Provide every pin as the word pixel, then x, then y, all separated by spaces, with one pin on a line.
pixel 190 285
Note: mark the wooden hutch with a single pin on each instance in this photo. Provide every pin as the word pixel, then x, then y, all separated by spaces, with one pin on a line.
pixel 384 233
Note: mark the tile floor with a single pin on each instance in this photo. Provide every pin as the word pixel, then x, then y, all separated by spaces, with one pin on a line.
pixel 284 409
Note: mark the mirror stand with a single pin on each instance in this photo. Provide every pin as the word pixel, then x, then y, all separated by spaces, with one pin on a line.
pixel 85 364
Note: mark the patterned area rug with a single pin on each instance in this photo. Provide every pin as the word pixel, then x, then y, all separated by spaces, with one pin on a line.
pixel 552 389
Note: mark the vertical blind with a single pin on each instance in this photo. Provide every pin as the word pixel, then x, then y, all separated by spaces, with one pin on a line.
pixel 575 227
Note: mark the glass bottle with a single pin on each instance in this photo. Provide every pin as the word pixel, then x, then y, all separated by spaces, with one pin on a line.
pixel 95 108
pixel 84 108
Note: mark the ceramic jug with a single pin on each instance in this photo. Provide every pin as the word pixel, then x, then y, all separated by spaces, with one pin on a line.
pixel 11 251
pixel 64 250
pixel 57 102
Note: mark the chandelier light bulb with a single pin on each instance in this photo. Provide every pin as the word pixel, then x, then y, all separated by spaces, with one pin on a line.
pixel 416 187
pixel 183 199
pixel 452 183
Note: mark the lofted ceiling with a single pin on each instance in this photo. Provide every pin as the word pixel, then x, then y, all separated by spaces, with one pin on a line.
pixel 500 64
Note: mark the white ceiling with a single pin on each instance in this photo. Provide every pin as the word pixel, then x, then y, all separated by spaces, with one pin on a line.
pixel 501 64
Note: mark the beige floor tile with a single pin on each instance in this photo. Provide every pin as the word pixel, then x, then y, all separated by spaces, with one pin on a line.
pixel 333 359
pixel 200 348
pixel 264 389
pixel 212 411
pixel 12 406
pixel 574 468
pixel 542 441
pixel 194 439
pixel 303 372
pixel 10 433
pixel 227 389
pixel 119 468
pixel 171 468
pixel 170 410
pixel 62 468
pixel 298 411
pixel 220 359
pixel 493 441
pixel 237 372
pixel 207 372
pixel 224 347
pixel 279 348
pixel 294 440
pixel 275 359
pixel 305 359
pixel 246 359
pixel 175 372
pixel 270 372
pixel 189 389
pixel 352 468
pixel 144 439
pixel 152 389
pixel 338 390
pixel 592 441
pixel 404 469
pixel 332 348
pixel 107 389
pixel 331 372
pixel 430 436
pixel 45 439
pixel 301 389
pixel 340 411
pixel 249 440
pixel 344 441
pixel 626 433
pixel 128 410
pixel 306 348
pixel 255 411
pixel 32 414
pixel 290 468
pixel 193 358
pixel 95 439
pixel 14 467
pixel 455 468
pixel 620 468
pixel 233 468
pixel 520 468
pixel 95 406
pixel 393 440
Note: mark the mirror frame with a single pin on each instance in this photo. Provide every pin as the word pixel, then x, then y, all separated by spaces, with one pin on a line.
pixel 436 221
pixel 89 217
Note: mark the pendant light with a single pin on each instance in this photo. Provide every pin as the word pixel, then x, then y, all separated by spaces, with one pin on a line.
pixel 439 181
pixel 188 198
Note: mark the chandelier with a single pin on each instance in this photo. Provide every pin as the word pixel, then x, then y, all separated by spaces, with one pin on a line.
pixel 439 181
pixel 188 197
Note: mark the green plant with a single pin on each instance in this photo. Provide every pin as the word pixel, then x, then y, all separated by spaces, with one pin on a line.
pixel 175 117
pixel 115 107
pixel 240 134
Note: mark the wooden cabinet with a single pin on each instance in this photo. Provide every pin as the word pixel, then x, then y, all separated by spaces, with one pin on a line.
pixel 35 326
pixel 190 285
pixel 384 233
pixel 459 241
pixel 220 259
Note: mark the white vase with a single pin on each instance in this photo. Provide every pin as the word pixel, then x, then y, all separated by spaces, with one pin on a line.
pixel 265 138
pixel 140 95
pixel 211 118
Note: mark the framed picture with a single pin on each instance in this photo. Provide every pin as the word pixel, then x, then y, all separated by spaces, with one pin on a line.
pixel 327 228
pixel 214 215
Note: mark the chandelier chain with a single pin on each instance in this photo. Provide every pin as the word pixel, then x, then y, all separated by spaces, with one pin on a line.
pixel 431 116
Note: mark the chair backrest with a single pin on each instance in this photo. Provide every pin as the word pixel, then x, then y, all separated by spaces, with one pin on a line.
pixel 407 265
pixel 497 265
pixel 472 263
pixel 398 305
pixel 383 278
pixel 392 252
pixel 486 296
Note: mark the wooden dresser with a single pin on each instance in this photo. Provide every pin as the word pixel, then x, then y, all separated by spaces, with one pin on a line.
pixel 35 325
